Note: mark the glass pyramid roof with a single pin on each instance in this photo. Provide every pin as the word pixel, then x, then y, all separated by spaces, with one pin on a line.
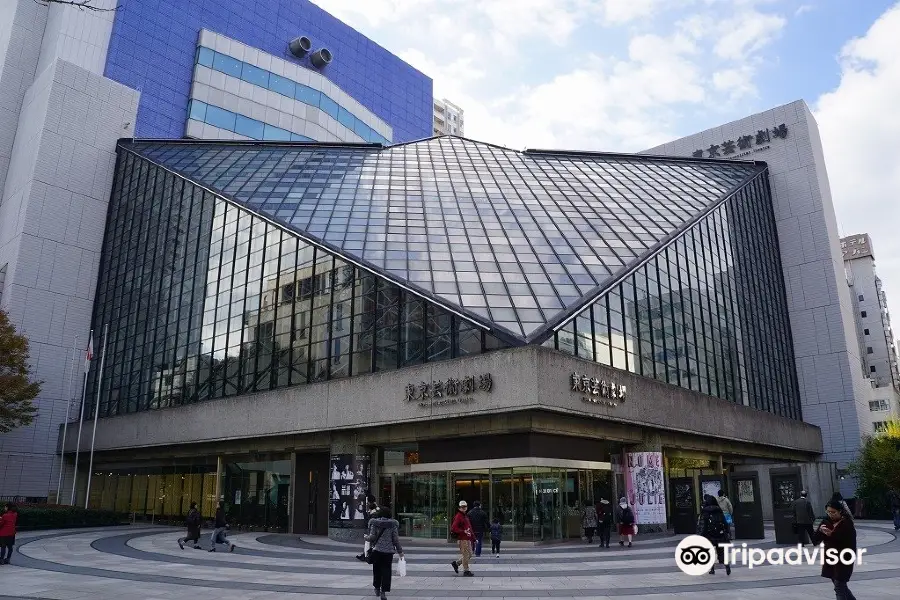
pixel 515 240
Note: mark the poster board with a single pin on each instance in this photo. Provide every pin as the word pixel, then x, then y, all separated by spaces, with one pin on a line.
pixel 645 487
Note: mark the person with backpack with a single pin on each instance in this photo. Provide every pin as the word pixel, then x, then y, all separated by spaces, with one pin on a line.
pixel 604 521
pixel 625 518
pixel 712 525
pixel 219 532
pixel 8 532
pixel 192 522
pixel 496 537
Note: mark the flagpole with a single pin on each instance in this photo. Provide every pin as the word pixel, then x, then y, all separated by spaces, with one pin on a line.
pixel 62 450
pixel 87 367
pixel 87 495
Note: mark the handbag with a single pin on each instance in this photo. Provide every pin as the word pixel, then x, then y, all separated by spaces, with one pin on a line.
pixel 401 567
pixel 369 557
pixel 729 519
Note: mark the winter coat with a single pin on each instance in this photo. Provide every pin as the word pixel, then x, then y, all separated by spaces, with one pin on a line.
pixel 894 499
pixel 496 532
pixel 220 518
pixel 711 524
pixel 604 514
pixel 8 523
pixel 193 521
pixel 725 504
pixel 462 527
pixel 479 520
pixel 589 517
pixel 843 536
pixel 803 512
pixel 389 539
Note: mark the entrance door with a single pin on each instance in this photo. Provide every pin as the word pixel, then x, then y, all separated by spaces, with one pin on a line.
pixel 684 506
pixel 786 486
pixel 312 494
pixel 747 501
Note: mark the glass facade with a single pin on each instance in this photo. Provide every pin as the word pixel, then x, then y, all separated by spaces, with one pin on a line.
pixel 205 299
pixel 708 312
pixel 531 503
pixel 512 239
pixel 239 267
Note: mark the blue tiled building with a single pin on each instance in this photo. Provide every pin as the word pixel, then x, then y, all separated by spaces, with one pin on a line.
pixel 154 46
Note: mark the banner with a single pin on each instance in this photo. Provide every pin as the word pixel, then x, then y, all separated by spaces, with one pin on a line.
pixel 645 487
pixel 349 486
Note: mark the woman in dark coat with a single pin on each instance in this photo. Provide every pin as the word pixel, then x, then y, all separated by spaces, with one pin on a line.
pixel 192 522
pixel 837 532
pixel 712 525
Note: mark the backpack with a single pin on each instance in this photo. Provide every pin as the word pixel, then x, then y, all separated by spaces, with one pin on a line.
pixel 716 527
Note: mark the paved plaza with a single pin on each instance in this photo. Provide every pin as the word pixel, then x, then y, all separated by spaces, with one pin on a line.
pixel 145 562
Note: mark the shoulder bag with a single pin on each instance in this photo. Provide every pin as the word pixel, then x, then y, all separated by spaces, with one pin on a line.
pixel 369 557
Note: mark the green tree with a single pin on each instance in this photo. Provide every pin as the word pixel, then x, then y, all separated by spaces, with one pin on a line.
pixel 16 389
pixel 877 470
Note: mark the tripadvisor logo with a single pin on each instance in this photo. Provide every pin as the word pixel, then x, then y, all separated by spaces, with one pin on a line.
pixel 696 555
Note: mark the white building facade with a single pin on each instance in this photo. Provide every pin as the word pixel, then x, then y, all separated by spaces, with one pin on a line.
pixel 448 118
pixel 834 391
pixel 873 329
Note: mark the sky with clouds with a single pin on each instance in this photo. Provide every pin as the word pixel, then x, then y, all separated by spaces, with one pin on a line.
pixel 625 75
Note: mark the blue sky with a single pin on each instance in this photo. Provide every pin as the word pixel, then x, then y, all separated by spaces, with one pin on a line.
pixel 625 75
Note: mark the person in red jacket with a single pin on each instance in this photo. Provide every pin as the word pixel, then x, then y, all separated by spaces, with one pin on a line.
pixel 8 532
pixel 461 530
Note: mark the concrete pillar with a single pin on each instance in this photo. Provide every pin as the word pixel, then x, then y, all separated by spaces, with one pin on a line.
pixel 220 480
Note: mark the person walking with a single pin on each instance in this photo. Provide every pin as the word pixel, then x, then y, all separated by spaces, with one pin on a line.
pixel 385 540
pixel 604 521
pixel 192 522
pixel 837 532
pixel 894 503
pixel 712 525
pixel 625 519
pixel 803 518
pixel 372 510
pixel 480 524
pixel 461 530
pixel 496 537
pixel 727 510
pixel 219 532
pixel 8 532
pixel 589 520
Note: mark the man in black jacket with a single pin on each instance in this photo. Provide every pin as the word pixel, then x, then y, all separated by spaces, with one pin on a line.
pixel 894 501
pixel 218 535
pixel 480 523
pixel 803 518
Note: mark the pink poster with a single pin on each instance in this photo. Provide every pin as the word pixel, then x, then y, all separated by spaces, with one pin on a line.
pixel 644 486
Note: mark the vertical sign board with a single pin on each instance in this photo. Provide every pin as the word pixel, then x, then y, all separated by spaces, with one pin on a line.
pixel 646 492
pixel 349 486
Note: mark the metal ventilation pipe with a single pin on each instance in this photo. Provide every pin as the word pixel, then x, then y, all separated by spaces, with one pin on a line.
pixel 321 58
pixel 300 46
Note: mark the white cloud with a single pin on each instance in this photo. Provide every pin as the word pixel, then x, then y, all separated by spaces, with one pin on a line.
pixel 588 74
pixel 860 128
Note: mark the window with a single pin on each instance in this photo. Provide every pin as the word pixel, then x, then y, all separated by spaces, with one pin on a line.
pixel 879 426
pixel 877 405
pixel 869 350
pixel 2 279
pixel 872 368
pixel 861 299
pixel 863 314
pixel 866 331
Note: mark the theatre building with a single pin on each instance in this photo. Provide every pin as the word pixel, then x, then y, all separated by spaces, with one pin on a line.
pixel 294 325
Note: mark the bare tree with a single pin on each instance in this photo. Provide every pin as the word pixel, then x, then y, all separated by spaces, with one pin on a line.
pixel 79 4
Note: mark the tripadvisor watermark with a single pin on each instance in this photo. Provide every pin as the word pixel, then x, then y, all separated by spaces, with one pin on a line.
pixel 696 555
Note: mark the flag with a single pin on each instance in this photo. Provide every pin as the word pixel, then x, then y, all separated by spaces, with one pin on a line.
pixel 89 354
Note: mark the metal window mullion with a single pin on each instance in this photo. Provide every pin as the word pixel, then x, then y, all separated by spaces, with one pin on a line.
pixel 224 377
pixel 254 376
pixel 193 385
pixel 708 348
pixel 173 284
pixel 240 357
pixel 151 273
pixel 759 398
pixel 728 318
pixel 684 324
pixel 162 320
pixel 672 311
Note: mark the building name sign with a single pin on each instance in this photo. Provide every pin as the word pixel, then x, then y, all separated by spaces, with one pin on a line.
pixel 450 391
pixel 597 391
pixel 856 246
pixel 744 145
